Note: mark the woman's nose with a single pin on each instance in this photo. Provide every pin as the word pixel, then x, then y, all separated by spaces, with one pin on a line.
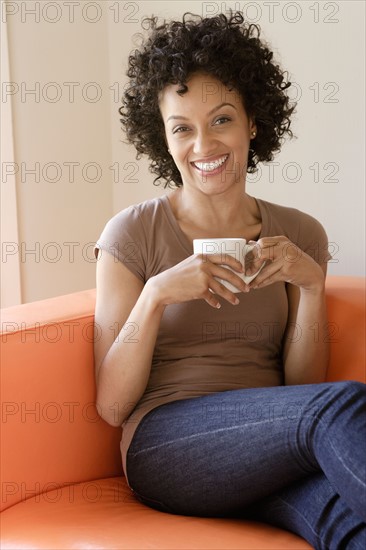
pixel 204 143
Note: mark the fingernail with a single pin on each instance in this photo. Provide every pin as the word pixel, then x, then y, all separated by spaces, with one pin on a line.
pixel 236 301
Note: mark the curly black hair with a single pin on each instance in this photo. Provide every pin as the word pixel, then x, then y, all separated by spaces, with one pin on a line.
pixel 224 47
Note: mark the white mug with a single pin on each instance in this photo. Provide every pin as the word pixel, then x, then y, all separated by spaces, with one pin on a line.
pixel 238 248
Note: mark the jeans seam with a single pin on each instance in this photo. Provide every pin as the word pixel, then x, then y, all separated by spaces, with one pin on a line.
pixel 218 430
pixel 359 480
pixel 196 435
pixel 321 421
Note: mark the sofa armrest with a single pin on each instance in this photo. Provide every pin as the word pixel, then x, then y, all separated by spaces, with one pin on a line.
pixel 51 432
pixel 346 317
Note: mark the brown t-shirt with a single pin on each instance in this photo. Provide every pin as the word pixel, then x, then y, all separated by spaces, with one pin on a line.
pixel 201 350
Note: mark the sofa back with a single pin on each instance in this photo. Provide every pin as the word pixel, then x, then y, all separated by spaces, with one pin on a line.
pixel 51 433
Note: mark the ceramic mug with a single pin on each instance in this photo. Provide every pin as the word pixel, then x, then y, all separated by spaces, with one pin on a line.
pixel 238 248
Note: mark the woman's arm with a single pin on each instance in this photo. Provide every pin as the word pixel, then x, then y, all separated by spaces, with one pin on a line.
pixel 306 347
pixel 127 321
pixel 305 344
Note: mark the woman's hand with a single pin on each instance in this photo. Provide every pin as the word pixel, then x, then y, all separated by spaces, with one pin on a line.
pixel 284 262
pixel 194 278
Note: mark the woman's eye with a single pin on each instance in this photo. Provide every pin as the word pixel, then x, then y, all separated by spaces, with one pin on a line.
pixel 223 118
pixel 179 128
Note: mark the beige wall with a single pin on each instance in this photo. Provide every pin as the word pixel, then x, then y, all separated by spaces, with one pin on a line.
pixel 58 211
pixel 321 172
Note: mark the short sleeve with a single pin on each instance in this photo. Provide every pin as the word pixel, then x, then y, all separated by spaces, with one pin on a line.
pixel 313 239
pixel 123 236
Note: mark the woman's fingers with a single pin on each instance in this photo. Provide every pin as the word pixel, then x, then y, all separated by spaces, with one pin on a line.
pixel 212 300
pixel 282 260
pixel 216 269
pixel 270 275
pixel 218 289
pixel 263 251
pixel 227 275
pixel 252 264
pixel 223 259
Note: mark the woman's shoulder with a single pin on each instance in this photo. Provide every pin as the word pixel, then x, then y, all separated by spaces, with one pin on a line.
pixel 284 212
pixel 289 217
pixel 298 226
pixel 132 221
pixel 128 232
pixel 144 208
pixel 135 219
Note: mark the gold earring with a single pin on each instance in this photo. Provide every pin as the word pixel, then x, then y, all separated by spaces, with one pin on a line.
pixel 254 134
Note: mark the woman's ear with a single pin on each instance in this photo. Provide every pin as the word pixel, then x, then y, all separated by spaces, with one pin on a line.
pixel 166 144
pixel 252 126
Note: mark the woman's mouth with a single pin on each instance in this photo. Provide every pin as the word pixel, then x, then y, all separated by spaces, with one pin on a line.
pixel 211 168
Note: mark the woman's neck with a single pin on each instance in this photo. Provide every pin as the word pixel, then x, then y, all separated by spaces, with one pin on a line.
pixel 214 214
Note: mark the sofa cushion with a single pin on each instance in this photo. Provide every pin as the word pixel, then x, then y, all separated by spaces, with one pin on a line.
pixel 105 514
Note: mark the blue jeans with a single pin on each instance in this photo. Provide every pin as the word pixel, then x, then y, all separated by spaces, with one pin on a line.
pixel 292 456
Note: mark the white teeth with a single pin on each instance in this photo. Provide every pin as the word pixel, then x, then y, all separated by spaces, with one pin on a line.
pixel 209 166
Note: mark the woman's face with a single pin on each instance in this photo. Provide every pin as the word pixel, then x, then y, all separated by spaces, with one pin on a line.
pixel 208 133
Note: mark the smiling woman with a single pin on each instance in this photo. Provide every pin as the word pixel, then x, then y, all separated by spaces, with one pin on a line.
pixel 206 102
pixel 176 50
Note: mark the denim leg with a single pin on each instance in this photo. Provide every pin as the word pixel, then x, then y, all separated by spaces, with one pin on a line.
pixel 312 509
pixel 336 436
pixel 216 454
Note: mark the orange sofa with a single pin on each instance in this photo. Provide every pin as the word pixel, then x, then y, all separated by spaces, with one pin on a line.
pixel 61 475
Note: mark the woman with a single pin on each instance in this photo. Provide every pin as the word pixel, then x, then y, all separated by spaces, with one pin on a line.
pixel 222 395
